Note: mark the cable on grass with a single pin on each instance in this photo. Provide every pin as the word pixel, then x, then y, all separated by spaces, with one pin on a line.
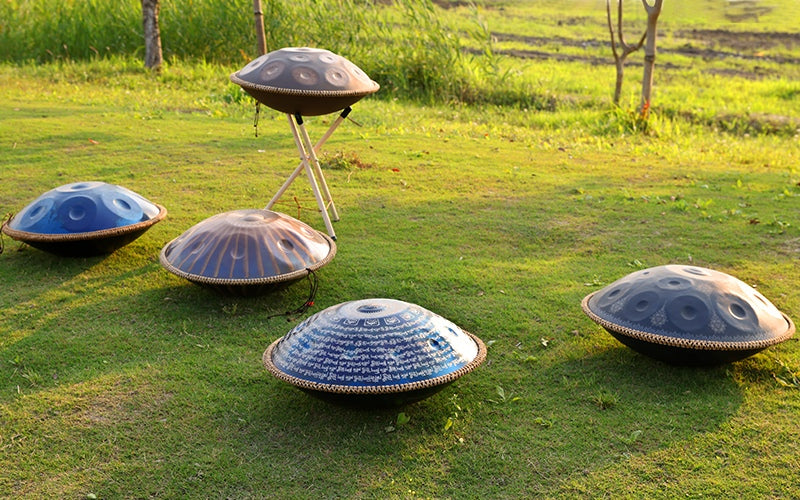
pixel 313 283
pixel 255 118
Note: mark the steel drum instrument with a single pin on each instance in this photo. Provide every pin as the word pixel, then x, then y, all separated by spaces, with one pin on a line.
pixel 688 315
pixel 246 252
pixel 374 353
pixel 84 219
pixel 303 81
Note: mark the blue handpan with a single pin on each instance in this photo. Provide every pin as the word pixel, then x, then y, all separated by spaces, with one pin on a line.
pixel 84 218
pixel 246 252
pixel 688 315
pixel 374 353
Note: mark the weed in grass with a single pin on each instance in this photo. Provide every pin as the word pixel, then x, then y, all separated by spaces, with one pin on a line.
pixel 32 376
pixel 605 400
pixel 401 420
pixel 596 281
pixel 631 438
pixel 502 397
pixel 542 422
pixel 344 161
pixel 787 376
pixel 453 417
pixel 637 264
pixel 231 309
pixel 779 225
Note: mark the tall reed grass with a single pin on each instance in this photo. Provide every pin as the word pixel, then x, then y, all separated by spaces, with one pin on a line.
pixel 404 45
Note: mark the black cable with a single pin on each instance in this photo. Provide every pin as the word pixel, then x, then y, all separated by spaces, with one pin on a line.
pixel 255 119
pixel 313 283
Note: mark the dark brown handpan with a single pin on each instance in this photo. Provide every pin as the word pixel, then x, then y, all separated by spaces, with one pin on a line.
pixel 374 353
pixel 688 315
pixel 245 252
pixel 304 81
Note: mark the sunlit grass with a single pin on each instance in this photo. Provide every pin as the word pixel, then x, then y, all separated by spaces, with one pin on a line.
pixel 118 379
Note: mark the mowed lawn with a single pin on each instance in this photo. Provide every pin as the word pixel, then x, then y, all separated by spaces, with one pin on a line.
pixel 121 380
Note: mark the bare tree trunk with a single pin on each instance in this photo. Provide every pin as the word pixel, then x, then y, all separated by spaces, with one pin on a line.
pixel 152 35
pixel 653 12
pixel 260 39
pixel 619 59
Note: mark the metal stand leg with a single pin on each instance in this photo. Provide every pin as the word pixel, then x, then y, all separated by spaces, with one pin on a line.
pixel 304 158
pixel 317 168
pixel 310 163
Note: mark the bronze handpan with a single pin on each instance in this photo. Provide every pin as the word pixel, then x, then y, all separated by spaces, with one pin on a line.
pixel 688 315
pixel 304 81
pixel 246 252
pixel 374 353
pixel 84 219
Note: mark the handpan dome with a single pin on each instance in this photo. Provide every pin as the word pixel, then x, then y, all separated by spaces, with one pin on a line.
pixel 305 81
pixel 688 315
pixel 245 252
pixel 374 352
pixel 83 219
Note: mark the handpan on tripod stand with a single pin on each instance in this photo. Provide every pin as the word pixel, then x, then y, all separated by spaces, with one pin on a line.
pixel 302 81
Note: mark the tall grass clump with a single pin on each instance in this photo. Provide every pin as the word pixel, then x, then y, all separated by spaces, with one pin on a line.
pixel 404 45
pixel 414 54
pixel 34 30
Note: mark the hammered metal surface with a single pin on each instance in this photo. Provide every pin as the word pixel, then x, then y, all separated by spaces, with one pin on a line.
pixel 374 346
pixel 84 218
pixel 688 307
pixel 242 247
pixel 83 207
pixel 305 81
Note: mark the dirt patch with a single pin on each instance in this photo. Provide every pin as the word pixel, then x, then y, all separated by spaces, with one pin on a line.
pixel 543 40
pixel 451 4
pixel 709 54
pixel 745 10
pixel 742 41
pixel 704 44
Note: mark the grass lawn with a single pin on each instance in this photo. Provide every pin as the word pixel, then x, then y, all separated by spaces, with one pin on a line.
pixel 121 380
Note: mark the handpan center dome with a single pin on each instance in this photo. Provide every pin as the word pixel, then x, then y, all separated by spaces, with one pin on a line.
pixel 688 315
pixel 374 352
pixel 305 81
pixel 84 218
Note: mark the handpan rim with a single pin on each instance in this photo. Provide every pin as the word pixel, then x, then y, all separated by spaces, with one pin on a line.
pixel 26 236
pixel 304 92
pixel 441 380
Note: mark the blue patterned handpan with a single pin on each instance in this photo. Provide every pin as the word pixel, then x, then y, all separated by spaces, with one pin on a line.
pixel 245 252
pixel 84 218
pixel 688 315
pixel 305 81
pixel 374 352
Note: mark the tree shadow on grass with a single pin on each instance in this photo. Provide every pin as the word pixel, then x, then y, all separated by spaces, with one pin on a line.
pixel 27 272
pixel 68 319
pixel 192 410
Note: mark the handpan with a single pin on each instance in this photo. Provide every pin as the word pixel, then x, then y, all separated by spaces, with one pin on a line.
pixel 374 353
pixel 84 219
pixel 304 81
pixel 245 252
pixel 688 315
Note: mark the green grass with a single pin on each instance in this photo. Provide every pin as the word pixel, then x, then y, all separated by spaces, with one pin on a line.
pixel 123 380
pixel 120 380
